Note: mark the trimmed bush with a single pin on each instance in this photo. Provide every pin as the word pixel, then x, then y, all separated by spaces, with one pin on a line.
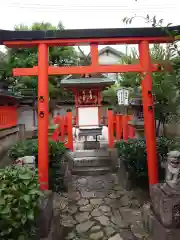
pixel 56 159
pixel 19 203
pixel 133 154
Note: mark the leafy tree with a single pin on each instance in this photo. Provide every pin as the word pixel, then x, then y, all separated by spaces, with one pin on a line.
pixel 164 84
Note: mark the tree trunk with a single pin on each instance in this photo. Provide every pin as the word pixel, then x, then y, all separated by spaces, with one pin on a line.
pixel 158 128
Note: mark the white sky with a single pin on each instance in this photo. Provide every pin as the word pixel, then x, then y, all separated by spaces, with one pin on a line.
pixel 86 13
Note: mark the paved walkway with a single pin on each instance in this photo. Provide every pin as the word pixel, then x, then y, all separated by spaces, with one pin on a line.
pixel 98 208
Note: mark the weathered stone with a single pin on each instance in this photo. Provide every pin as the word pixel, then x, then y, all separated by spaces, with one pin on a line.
pixel 116 237
pixel 95 228
pixel 118 188
pixel 71 236
pixel 86 208
pixel 104 208
pixel 97 235
pixel 96 213
pixel 166 205
pixel 87 194
pixel 83 202
pixel 112 195
pixel 67 221
pixel 130 215
pixel 138 230
pixel 81 217
pixel 103 220
pixel 84 227
pixel 160 232
pixel 127 234
pixel 125 201
pixel 72 209
pixel 96 201
pixel 82 181
pixel 109 231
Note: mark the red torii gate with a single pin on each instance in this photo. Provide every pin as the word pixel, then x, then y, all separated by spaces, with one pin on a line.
pixel 43 39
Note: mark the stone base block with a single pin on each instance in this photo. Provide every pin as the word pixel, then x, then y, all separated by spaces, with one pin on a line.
pixel 147 218
pixel 46 214
pixel 88 145
pixel 123 176
pixel 160 232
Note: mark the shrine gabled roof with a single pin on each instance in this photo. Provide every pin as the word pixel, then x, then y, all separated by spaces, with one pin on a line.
pixel 74 82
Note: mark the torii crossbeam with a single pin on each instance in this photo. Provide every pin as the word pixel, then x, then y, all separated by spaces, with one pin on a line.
pixel 93 37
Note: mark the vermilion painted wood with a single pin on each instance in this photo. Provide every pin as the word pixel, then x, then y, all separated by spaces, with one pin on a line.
pixel 70 133
pixel 118 127
pixel 110 128
pixel 43 116
pixel 83 69
pixel 8 117
pixel 148 107
pixel 131 130
pixel 87 41
pixel 125 127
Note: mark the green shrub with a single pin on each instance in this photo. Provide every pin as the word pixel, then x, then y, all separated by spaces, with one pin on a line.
pixel 133 154
pixel 56 160
pixel 19 202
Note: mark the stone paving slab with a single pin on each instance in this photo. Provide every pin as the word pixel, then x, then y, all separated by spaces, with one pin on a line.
pixel 98 208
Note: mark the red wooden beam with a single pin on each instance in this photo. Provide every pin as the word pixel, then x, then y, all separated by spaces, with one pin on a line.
pixel 87 41
pixel 83 69
pixel 43 116
pixel 149 119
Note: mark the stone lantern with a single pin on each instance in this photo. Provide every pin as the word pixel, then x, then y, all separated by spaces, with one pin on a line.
pixel 136 110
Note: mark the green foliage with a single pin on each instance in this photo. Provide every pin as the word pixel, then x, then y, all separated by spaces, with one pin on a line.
pixel 56 159
pixel 133 154
pixel 19 203
pixel 28 57
pixel 165 84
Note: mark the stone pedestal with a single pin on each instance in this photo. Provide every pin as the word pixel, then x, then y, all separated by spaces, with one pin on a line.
pixel 46 214
pixel 160 232
pixel 166 205
pixel 89 145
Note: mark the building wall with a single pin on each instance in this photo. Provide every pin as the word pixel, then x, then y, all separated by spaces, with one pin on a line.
pixel 107 59
pixel 25 115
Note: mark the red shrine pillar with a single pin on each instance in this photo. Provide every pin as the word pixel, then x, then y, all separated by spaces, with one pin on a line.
pixel 43 115
pixel 149 120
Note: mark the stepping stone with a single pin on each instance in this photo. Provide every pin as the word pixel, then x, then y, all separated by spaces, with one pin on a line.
pixel 104 208
pixel 67 221
pixel 96 213
pixel 116 237
pixel 97 235
pixel 72 209
pixel 118 188
pixel 86 208
pixel 95 228
pixel 81 217
pixel 96 201
pixel 84 227
pixel 109 231
pixel 83 202
pixel 103 220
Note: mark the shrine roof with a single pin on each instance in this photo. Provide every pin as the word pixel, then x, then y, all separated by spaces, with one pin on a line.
pixel 76 82
pixel 8 35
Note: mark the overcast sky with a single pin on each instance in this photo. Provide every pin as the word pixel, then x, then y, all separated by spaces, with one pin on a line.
pixel 86 14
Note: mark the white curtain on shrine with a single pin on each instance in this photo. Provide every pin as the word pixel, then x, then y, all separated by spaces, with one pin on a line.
pixel 88 116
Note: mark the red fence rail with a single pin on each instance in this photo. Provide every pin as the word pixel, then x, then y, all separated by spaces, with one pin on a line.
pixel 63 131
pixel 118 128
pixel 8 117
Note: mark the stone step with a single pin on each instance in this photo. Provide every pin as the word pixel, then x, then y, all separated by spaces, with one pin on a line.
pixel 91 153
pixel 91 161
pixel 90 171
